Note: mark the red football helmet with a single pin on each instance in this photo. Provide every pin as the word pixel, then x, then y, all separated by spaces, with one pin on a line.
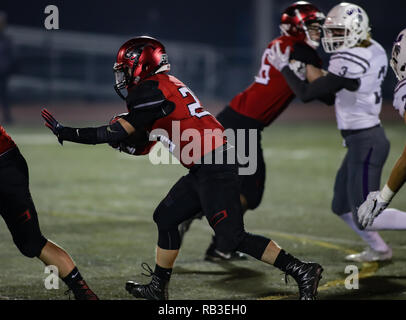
pixel 296 19
pixel 137 59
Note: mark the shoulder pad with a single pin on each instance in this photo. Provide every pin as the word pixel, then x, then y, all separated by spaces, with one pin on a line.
pixel 144 95
pixel 351 63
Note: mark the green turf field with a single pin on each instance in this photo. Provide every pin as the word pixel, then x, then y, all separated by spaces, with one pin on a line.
pixel 98 205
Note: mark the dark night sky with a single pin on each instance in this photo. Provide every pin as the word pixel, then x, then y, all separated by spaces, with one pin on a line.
pixel 170 20
pixel 218 22
pixel 224 24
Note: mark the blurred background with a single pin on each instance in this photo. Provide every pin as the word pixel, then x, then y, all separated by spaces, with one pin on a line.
pixel 214 46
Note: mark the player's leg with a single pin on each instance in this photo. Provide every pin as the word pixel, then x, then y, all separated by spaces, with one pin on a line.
pixel 180 204
pixel 252 186
pixel 219 195
pixel 228 121
pixel 20 215
pixel 367 153
pixel 251 192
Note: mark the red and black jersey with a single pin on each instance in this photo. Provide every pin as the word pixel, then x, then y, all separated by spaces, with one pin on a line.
pixel 6 143
pixel 164 103
pixel 266 98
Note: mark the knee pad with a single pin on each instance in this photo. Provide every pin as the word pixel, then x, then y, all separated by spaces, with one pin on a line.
pixel 31 247
pixel 169 239
pixel 168 234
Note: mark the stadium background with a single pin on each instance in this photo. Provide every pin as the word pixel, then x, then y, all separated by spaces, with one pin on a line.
pixel 98 204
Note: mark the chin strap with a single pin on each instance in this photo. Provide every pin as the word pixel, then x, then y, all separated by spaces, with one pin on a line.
pixel 119 92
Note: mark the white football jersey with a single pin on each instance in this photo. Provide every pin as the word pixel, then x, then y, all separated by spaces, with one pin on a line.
pixel 360 109
pixel 399 97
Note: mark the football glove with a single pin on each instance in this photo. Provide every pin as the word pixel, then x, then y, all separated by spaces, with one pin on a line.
pixel 371 208
pixel 122 146
pixel 52 124
pixel 278 59
pixel 116 145
pixel 299 68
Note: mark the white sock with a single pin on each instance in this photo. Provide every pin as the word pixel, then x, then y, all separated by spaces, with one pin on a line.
pixel 389 219
pixel 373 238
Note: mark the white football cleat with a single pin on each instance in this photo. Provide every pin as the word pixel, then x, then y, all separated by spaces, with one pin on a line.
pixel 370 255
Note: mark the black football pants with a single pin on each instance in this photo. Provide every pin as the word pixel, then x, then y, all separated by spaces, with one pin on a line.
pixel 213 189
pixel 252 186
pixel 16 205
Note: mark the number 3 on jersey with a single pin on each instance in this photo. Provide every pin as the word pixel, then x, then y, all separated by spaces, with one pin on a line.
pixel 194 106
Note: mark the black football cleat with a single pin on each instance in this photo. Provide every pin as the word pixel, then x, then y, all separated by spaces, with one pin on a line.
pixel 307 276
pixel 157 289
pixel 215 255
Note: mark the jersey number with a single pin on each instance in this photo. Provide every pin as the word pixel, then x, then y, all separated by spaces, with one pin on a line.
pixel 194 106
pixel 263 74
pixel 378 94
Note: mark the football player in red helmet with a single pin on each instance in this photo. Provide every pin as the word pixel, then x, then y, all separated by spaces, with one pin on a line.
pixel 157 100
pixel 18 211
pixel 267 97
pixel 137 60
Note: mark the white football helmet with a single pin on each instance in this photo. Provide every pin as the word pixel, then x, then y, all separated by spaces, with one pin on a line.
pixel 398 59
pixel 346 25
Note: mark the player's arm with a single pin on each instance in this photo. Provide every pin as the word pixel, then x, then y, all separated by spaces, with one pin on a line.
pixel 145 103
pixel 313 73
pixel 398 174
pixel 321 87
pixel 111 133
pixel 306 58
pixel 377 201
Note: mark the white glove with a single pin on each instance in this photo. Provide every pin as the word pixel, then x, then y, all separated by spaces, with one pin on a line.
pixel 371 208
pixel 299 68
pixel 278 59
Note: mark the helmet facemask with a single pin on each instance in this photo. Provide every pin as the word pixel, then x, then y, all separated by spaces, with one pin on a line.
pixel 398 68
pixel 124 75
pixel 346 26
pixel 398 56
pixel 335 38
pixel 311 27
